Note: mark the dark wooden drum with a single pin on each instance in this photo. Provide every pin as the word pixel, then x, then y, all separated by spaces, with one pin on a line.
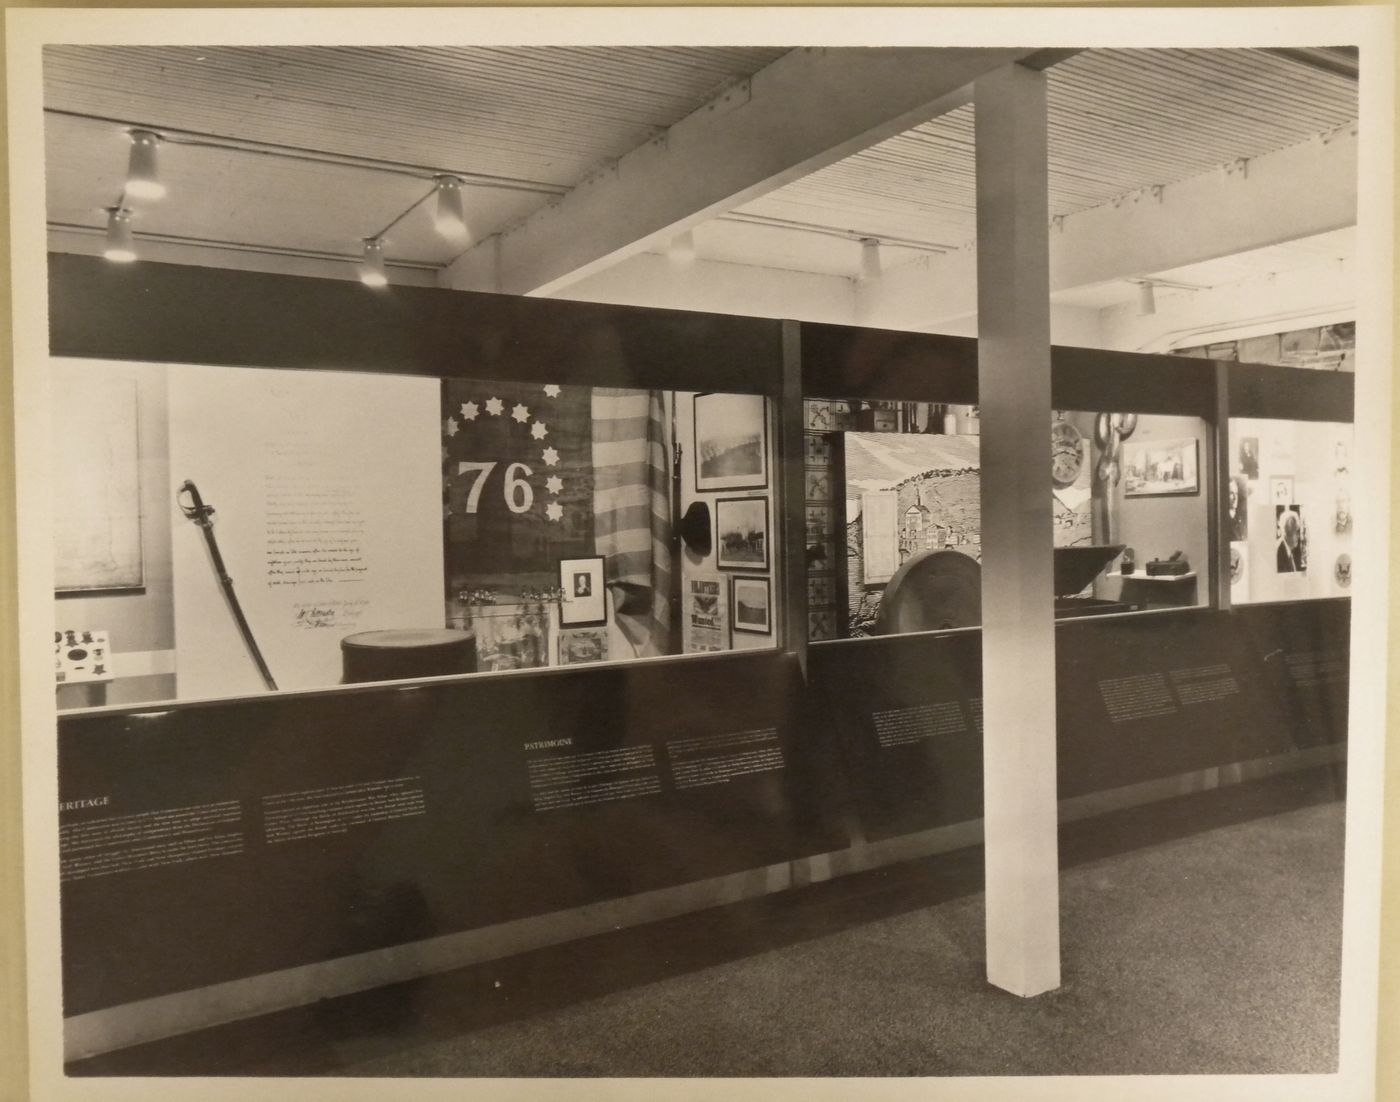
pixel 417 652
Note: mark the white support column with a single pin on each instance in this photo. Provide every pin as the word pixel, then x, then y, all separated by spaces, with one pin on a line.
pixel 1018 627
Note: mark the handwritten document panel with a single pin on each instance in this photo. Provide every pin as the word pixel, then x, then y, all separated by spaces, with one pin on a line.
pixel 328 512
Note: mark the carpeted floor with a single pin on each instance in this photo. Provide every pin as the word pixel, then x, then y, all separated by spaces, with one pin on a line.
pixel 1214 950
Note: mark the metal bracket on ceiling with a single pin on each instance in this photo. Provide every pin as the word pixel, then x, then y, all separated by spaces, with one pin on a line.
pixel 732 96
pixel 1238 167
pixel 1058 223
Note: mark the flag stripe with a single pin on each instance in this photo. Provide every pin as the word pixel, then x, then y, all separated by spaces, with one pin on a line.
pixel 632 507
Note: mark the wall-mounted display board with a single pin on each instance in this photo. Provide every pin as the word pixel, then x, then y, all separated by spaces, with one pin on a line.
pixel 906 712
pixel 1305 651
pixel 209 842
pixel 1139 698
pixel 328 517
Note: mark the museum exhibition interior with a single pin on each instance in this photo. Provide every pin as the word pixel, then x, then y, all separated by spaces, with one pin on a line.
pixel 552 576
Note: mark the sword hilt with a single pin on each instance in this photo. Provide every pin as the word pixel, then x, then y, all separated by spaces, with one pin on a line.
pixel 196 510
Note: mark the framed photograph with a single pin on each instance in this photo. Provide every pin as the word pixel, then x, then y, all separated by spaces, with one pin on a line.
pixel 750 605
pixel 1249 457
pixel 731 442
pixel 583 645
pixel 741 531
pixel 1281 490
pixel 584 601
pixel 1154 468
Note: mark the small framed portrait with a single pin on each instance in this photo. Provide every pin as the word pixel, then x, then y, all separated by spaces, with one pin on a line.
pixel 750 605
pixel 1281 490
pixel 584 600
pixel 741 530
pixel 1249 456
pixel 731 442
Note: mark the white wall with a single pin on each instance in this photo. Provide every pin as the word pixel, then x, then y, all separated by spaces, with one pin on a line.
pixel 649 279
pixel 1318 294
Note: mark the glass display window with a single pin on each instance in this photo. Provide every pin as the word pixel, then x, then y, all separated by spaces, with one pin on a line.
pixel 1289 510
pixel 233 530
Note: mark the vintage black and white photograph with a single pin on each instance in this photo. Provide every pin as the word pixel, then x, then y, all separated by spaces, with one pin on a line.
pixel 1155 467
pixel 1249 457
pixel 731 434
pixel 555 581
pixel 1237 507
pixel 583 602
pixel 749 600
pixel 741 533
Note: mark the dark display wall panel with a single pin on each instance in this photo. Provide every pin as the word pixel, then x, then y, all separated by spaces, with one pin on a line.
pixel 1139 698
pixel 173 313
pixel 209 842
pixel 907 714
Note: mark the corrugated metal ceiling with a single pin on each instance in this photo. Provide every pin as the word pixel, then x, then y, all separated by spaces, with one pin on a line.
pixel 1120 121
pixel 537 113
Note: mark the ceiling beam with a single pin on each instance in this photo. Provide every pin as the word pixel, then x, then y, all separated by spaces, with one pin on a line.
pixel 1292 193
pixel 809 109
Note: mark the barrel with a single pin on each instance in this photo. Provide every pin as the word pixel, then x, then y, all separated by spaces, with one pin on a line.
pixel 415 652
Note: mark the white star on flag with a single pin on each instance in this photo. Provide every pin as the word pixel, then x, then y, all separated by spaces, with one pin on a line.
pixel 538 430
pixel 554 484
pixel 554 511
pixel 450 427
pixel 551 390
pixel 469 411
pixel 521 413
pixel 495 407
pixel 550 457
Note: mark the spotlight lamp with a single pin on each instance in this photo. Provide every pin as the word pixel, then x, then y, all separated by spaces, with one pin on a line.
pixel 142 175
pixel 447 208
pixel 870 266
pixel 120 245
pixel 1147 298
pixel 372 273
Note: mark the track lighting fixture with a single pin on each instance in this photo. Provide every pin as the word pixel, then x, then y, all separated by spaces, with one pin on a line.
pixel 120 245
pixel 447 207
pixel 372 273
pixel 870 267
pixel 142 177
pixel 681 251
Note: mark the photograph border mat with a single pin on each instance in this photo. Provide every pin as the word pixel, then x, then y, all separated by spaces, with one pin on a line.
pixel 26 700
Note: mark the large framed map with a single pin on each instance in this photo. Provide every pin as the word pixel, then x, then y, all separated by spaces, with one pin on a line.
pixel 97 483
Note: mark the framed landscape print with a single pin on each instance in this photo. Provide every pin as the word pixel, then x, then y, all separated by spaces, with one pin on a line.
pixel 750 601
pixel 731 442
pixel 741 529
pixel 583 603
